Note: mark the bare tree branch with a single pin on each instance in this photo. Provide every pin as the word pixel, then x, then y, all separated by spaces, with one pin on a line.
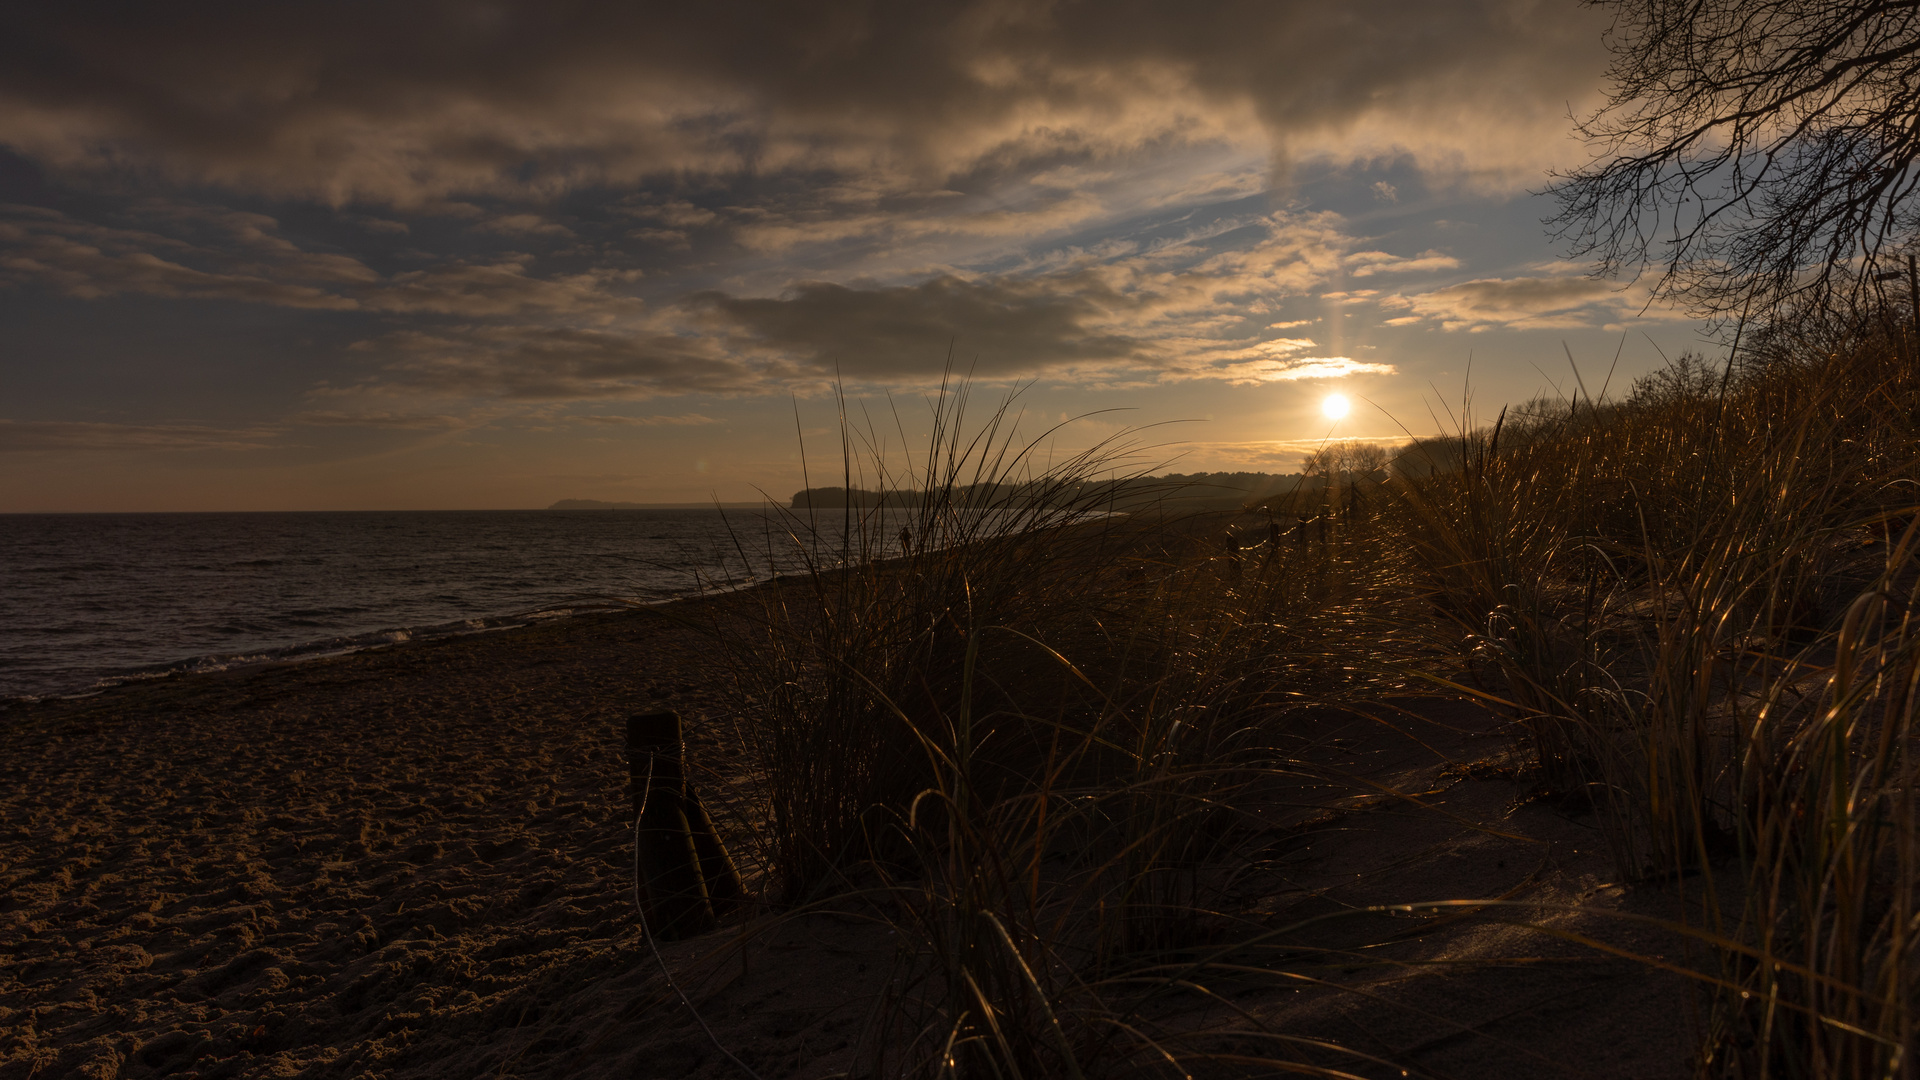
pixel 1751 151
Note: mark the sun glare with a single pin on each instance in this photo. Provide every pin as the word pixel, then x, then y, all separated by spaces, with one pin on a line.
pixel 1335 406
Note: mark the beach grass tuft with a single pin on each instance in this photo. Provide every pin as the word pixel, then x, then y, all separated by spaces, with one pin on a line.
pixel 1697 603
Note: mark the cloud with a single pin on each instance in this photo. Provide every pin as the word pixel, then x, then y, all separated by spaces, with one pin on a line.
pixel 994 328
pixel 1349 296
pixel 406 104
pixel 682 420
pixel 524 225
pixel 546 363
pixel 202 253
pixel 498 289
pixel 1368 263
pixel 1169 309
pixel 1551 302
pixel 29 435
pixel 1255 372
pixel 48 249
pixel 669 212
pixel 378 226
pixel 391 421
pixel 895 222
pixel 1181 306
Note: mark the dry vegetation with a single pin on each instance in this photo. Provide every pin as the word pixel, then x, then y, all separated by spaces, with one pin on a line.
pixel 1023 742
pixel 1038 757
pixel 1699 606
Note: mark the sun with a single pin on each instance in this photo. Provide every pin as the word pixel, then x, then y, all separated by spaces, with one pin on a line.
pixel 1335 406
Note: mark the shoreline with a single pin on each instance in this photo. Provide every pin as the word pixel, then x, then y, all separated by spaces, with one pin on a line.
pixel 341 645
pixel 382 637
pixel 182 676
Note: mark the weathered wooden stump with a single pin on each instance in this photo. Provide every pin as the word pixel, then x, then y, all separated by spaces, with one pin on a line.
pixel 685 876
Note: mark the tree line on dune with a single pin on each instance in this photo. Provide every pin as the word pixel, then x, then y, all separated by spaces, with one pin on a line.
pixel 1130 491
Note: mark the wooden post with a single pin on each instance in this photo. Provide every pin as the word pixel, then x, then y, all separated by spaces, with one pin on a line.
pixel 646 734
pixel 673 893
pixel 686 876
pixel 724 890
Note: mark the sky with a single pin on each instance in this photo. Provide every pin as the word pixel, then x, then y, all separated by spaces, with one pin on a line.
pixel 469 255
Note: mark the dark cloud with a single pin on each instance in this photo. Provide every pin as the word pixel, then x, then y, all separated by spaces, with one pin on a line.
pixel 524 225
pixel 392 421
pixel 22 435
pixel 995 328
pixel 249 262
pixel 48 249
pixel 544 363
pixel 681 420
pixel 406 103
pixel 504 288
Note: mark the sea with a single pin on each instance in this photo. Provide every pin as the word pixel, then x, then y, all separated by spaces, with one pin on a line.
pixel 89 601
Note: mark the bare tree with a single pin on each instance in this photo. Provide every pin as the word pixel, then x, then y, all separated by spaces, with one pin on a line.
pixel 1345 462
pixel 1366 459
pixel 1323 463
pixel 1751 151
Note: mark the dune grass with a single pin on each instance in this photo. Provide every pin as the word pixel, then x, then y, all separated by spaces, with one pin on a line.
pixel 1032 739
pixel 1020 735
pixel 1698 604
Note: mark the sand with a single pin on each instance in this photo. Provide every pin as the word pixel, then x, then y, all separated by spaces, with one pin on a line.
pixel 407 861
pixel 414 862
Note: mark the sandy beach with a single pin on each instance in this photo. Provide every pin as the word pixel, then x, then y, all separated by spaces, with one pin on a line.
pixel 414 862
pixel 406 861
